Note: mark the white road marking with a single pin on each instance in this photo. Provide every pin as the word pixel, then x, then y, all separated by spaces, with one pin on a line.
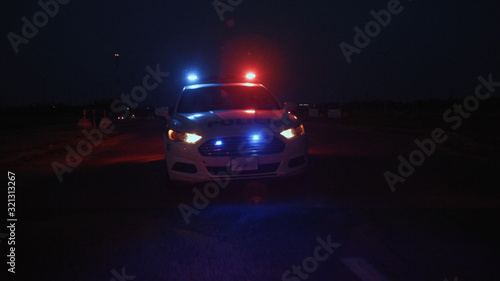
pixel 364 270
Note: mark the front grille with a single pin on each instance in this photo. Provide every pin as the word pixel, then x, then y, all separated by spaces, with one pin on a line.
pixel 241 146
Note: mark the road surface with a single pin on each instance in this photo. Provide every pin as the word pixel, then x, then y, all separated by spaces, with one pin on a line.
pixel 115 218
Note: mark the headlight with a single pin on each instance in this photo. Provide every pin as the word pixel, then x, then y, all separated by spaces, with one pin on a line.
pixel 293 132
pixel 183 137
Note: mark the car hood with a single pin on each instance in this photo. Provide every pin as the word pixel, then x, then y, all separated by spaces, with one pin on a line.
pixel 233 122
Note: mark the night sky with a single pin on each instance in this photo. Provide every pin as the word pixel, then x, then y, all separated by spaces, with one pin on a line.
pixel 430 49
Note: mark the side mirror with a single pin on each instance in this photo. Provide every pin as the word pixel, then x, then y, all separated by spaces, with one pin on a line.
pixel 289 106
pixel 163 111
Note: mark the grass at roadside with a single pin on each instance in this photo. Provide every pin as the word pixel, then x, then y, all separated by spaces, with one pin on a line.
pixel 478 135
pixel 34 149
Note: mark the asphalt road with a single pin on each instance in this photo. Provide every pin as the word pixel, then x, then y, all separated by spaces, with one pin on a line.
pixel 114 217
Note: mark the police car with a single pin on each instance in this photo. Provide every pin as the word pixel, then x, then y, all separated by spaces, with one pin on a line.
pixel 231 129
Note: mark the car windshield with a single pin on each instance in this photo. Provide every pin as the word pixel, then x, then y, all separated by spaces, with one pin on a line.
pixel 226 98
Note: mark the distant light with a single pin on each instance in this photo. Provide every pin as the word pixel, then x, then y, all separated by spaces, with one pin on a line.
pixel 117 55
pixel 192 77
pixel 250 75
pixel 250 111
pixel 255 137
pixel 218 142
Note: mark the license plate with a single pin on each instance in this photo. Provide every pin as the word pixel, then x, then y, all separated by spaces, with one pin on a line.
pixel 244 164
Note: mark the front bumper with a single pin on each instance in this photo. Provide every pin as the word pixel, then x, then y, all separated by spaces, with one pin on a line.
pixel 185 163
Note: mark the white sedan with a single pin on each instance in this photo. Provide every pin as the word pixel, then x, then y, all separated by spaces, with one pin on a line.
pixel 231 130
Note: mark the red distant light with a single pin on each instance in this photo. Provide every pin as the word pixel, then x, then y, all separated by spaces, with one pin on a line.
pixel 250 75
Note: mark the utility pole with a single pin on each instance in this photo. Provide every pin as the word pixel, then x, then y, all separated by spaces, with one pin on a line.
pixel 117 62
